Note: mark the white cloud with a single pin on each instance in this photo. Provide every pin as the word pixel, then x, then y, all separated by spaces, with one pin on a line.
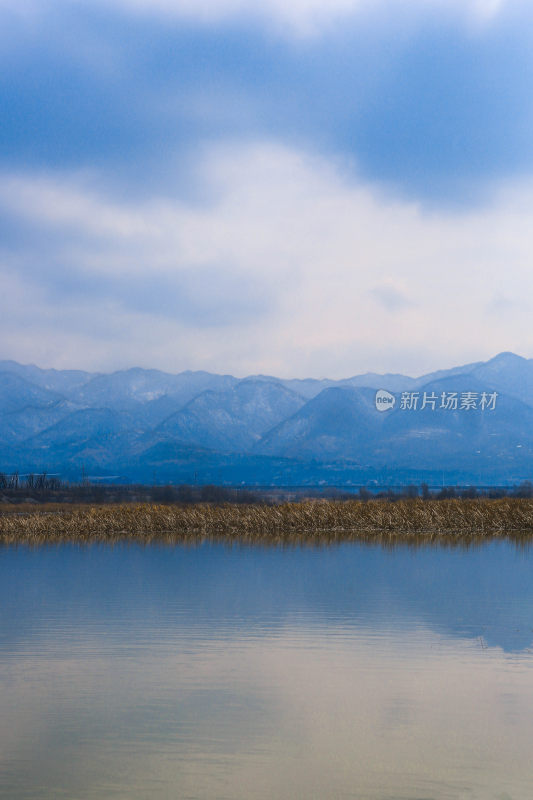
pixel 300 17
pixel 311 17
pixel 300 13
pixel 283 225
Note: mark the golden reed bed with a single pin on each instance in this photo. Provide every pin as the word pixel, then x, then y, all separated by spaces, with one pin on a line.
pixel 315 520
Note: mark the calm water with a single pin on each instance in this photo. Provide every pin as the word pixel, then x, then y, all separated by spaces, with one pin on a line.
pixel 218 672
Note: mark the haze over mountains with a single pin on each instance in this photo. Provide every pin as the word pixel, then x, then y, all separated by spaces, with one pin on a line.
pixel 146 425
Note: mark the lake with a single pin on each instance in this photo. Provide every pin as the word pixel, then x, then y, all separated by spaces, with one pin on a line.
pixel 230 671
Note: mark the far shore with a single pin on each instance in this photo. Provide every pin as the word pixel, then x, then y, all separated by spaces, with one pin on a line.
pixel 313 521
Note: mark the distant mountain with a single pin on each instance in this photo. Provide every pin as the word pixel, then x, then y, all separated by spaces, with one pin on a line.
pixel 373 380
pixel 26 408
pixel 310 387
pixel 92 438
pixel 482 441
pixel 63 381
pixel 199 426
pixel 509 374
pixel 82 427
pixel 466 369
pixel 18 394
pixel 17 426
pixel 232 420
pixel 340 422
pixel 131 388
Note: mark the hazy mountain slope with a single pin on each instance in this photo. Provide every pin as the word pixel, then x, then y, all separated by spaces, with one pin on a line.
pixel 129 389
pixel 17 426
pixel 465 369
pixel 56 380
pixel 467 437
pixel 373 380
pixel 231 420
pixel 93 440
pixel 341 422
pixel 310 387
pixel 307 387
pixel 83 425
pixel 18 394
pixel 189 386
pixel 509 374
pixel 394 382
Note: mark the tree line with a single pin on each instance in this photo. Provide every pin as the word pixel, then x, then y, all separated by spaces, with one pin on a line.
pixel 44 488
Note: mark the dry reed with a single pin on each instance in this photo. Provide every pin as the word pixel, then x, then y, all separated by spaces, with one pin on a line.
pixel 313 521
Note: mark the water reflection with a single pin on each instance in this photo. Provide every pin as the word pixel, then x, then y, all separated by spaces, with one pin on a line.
pixel 217 672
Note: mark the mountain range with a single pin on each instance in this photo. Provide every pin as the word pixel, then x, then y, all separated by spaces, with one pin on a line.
pixel 469 424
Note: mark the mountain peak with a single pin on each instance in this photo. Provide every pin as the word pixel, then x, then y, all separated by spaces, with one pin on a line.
pixel 506 357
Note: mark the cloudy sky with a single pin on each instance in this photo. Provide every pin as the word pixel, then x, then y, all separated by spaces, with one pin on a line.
pixel 295 187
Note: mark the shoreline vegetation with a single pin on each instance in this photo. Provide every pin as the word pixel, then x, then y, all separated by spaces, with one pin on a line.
pixel 316 520
pixel 39 489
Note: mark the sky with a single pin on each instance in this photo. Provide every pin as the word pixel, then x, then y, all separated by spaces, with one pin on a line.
pixel 313 188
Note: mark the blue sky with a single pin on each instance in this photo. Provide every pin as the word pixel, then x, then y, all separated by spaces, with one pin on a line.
pixel 314 188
